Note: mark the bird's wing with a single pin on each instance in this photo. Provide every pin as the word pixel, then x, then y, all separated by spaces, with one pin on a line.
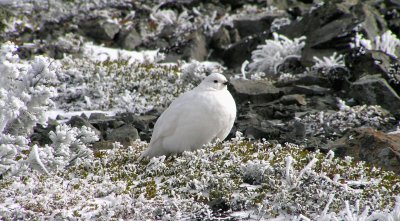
pixel 166 123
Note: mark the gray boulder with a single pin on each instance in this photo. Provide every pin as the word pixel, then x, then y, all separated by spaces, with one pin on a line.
pixel 374 147
pixel 124 134
pixel 129 39
pixel 374 90
pixel 255 91
pixel 100 29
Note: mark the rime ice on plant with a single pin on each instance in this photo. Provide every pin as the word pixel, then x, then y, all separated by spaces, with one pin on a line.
pixel 26 90
pixel 327 63
pixel 336 123
pixel 267 57
pixel 277 23
pixel 387 43
pixel 119 86
pixel 26 93
pixel 257 179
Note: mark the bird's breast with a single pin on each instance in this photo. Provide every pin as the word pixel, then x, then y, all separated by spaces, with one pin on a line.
pixel 220 104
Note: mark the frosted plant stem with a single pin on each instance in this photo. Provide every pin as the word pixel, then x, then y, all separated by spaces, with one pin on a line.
pixel 289 161
pixel 325 211
pixel 35 161
pixel 243 68
pixel 348 211
pixel 307 167
pixel 303 218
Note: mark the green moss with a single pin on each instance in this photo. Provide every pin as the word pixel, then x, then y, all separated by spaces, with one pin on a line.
pixel 151 189
pixel 76 213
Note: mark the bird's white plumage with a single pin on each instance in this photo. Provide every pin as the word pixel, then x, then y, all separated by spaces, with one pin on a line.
pixel 195 118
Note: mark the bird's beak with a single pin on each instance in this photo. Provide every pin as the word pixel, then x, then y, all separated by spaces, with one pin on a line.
pixel 227 83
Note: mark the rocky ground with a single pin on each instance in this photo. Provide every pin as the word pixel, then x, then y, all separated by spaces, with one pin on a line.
pixel 302 108
pixel 320 74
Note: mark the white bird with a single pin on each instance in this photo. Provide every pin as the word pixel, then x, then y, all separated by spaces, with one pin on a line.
pixel 195 118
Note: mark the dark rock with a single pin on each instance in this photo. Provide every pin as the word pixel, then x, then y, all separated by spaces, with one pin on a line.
pixel 97 116
pixel 322 103
pixel 224 37
pixel 374 147
pixel 129 39
pixel 143 123
pixel 194 47
pixel 299 99
pixel 276 110
pixel 103 145
pixel 198 48
pixel 291 65
pixel 124 134
pixel 376 91
pixel 299 129
pixel 252 24
pixel 339 78
pixel 234 3
pixel 369 62
pixel 40 133
pixel 104 123
pixel 239 52
pixel 330 28
pixel 257 92
pixel 310 78
pixel 257 132
pixel 373 62
pixel 100 29
pixel 79 121
pixel 222 40
pixel 390 9
pixel 255 127
pixel 310 90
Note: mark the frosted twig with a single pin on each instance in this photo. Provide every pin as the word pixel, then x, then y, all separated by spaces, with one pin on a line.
pixel 306 168
pixel 289 161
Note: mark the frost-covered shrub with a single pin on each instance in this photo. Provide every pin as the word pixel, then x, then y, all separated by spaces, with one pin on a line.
pixel 267 57
pixel 34 15
pixel 328 124
pixel 236 179
pixel 277 23
pixel 327 63
pixel 387 42
pixel 26 90
pixel 194 72
pixel 169 19
pixel 12 149
pixel 68 144
pixel 394 74
pixel 253 171
pixel 181 25
pixel 119 86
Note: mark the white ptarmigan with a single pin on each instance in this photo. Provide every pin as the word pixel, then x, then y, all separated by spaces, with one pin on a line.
pixel 195 118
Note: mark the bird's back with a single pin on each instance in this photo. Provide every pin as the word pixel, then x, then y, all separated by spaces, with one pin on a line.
pixel 192 120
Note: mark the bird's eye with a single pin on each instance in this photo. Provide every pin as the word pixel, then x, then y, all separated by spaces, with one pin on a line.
pixel 215 81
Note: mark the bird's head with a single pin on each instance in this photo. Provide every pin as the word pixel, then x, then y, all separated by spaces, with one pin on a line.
pixel 215 81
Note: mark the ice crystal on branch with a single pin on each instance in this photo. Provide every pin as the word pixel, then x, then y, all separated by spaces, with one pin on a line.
pixel 387 42
pixel 256 179
pixel 26 90
pixel 267 57
pixel 326 63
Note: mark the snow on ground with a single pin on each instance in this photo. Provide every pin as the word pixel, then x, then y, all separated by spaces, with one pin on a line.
pixel 66 115
pixel 101 53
